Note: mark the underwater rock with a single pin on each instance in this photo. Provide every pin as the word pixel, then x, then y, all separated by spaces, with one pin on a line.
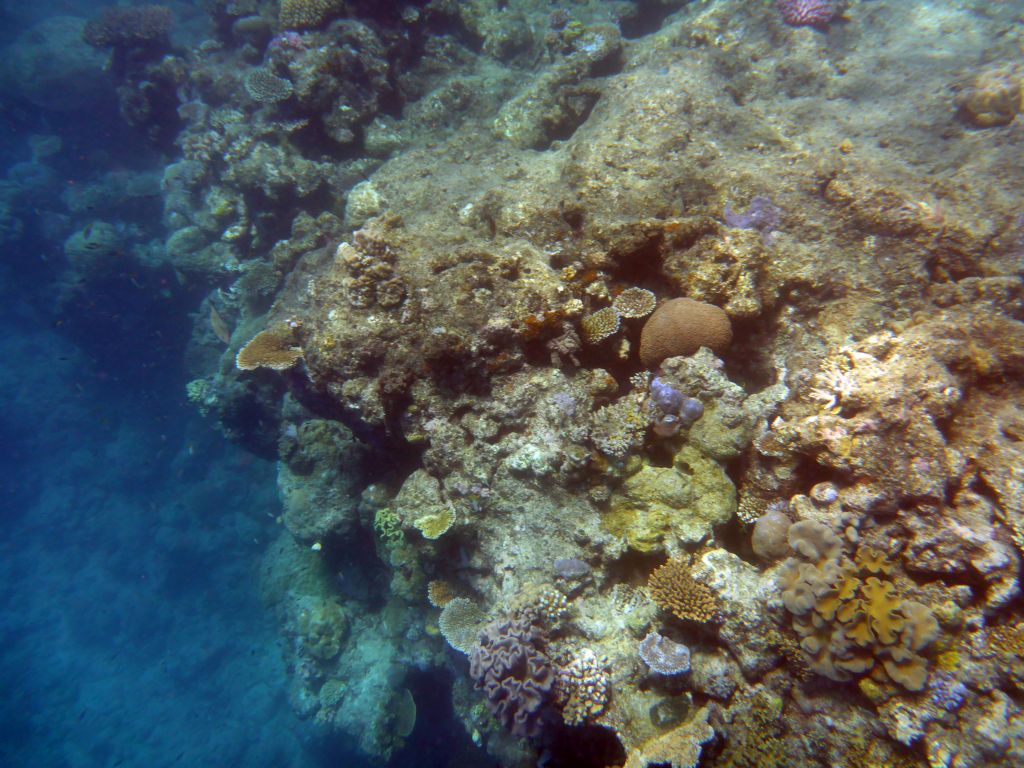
pixel 993 98
pixel 743 595
pixel 51 67
pixel 318 479
pixel 94 250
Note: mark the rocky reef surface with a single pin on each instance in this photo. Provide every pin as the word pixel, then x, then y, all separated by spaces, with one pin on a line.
pixel 443 246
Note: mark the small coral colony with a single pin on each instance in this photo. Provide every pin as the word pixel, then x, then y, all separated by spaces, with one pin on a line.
pixel 647 377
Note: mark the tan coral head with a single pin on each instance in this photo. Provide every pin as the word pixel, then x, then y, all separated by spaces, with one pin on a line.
pixel 274 348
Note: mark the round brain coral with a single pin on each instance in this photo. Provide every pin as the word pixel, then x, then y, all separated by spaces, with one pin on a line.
pixel 681 327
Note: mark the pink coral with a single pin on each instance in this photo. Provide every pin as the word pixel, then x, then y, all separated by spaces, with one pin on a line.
pixel 806 12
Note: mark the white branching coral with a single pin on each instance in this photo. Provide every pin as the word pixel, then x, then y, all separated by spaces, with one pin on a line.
pixel 843 377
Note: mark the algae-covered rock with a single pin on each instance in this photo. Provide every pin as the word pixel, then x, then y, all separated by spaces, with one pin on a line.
pixel 744 596
pixel 94 249
pixel 318 480
pixel 660 508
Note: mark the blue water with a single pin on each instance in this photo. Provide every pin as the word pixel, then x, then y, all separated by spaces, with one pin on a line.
pixel 131 627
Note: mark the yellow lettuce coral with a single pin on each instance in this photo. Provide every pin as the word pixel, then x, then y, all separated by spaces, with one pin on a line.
pixel 849 619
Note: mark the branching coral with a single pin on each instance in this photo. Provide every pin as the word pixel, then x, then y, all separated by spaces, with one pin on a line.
pixel 583 687
pixel 674 589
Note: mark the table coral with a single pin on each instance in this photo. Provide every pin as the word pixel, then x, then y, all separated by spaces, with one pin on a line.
pixel 275 348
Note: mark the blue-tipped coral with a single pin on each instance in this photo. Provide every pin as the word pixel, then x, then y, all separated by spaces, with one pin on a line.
pixel 673 410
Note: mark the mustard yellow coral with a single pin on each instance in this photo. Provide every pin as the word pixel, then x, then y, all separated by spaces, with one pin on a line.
pixel 850 619
pixel 674 589
pixel 274 348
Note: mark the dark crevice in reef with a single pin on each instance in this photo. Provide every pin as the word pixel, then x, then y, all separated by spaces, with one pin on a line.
pixel 583 747
pixel 438 739
pixel 648 17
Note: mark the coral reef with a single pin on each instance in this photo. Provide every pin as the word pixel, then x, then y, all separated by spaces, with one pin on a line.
pixel 464 230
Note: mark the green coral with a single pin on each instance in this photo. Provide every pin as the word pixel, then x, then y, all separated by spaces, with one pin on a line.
pixel 322 626
pixel 388 526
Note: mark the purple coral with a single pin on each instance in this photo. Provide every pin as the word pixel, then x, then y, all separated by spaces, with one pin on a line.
pixel 664 656
pixel 510 665
pixel 762 215
pixel 807 12
pixel 673 410
pixel 571 568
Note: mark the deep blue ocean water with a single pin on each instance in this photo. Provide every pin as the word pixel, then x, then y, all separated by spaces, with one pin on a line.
pixel 131 628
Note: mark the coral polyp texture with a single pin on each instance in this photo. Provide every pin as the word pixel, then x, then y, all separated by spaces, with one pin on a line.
pixel 644 377
pixel 809 12
pixel 510 666
pixel 274 348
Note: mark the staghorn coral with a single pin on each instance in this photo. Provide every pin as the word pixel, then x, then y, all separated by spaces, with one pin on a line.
pixel 510 665
pixel 274 348
pixel 680 327
pixel 674 589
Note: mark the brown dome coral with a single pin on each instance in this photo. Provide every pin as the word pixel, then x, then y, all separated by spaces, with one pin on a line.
pixel 681 327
